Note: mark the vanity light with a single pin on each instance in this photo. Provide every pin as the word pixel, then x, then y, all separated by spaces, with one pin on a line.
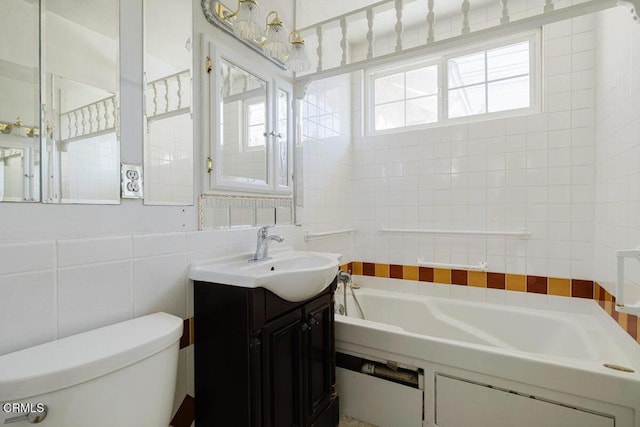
pixel 247 22
pixel 271 43
pixel 276 44
pixel 298 60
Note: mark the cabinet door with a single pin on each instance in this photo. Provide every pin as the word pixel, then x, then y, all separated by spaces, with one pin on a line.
pixel 283 371
pixel 319 356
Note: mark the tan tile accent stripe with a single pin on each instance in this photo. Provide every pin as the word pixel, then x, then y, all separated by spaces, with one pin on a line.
pixel 575 288
pixel 187 337
pixel 186 413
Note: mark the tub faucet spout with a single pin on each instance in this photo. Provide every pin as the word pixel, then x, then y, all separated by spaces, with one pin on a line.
pixel 262 246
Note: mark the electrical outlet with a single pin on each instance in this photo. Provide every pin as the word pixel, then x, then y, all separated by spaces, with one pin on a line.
pixel 131 178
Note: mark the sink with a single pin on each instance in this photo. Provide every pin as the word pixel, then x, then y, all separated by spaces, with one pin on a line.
pixel 292 275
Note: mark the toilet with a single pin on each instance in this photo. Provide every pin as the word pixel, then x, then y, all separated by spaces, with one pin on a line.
pixel 122 375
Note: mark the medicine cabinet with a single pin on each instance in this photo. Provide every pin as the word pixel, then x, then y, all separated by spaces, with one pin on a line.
pixel 249 125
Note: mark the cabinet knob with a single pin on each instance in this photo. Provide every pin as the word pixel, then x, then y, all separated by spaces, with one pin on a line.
pixel 313 321
pixel 305 327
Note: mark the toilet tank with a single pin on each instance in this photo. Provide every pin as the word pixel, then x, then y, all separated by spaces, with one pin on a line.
pixel 117 376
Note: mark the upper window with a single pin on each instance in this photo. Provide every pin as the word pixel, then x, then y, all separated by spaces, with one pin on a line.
pixel 489 81
pixel 407 98
pixel 500 79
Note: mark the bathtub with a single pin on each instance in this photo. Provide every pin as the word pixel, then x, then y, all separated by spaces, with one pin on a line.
pixel 486 364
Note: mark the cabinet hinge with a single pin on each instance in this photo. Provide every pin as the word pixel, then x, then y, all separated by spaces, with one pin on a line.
pixel 208 65
pixel 209 165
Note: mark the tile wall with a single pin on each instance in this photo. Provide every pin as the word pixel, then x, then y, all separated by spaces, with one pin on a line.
pixel 535 172
pixel 55 288
pixel 617 156
pixel 327 161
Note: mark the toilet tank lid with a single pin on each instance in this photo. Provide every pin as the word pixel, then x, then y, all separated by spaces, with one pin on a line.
pixel 72 360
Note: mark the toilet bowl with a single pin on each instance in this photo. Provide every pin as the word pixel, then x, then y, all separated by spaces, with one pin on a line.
pixel 122 375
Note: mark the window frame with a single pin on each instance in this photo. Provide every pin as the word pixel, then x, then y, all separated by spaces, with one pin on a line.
pixel 535 84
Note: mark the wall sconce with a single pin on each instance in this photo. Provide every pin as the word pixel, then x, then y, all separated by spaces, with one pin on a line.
pixel 245 24
pixel 276 44
pixel 298 60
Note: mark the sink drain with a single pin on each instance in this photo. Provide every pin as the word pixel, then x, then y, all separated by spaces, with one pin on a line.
pixel 618 367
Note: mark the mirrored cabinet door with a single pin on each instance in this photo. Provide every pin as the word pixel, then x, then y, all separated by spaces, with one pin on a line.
pixel 168 146
pixel 250 126
pixel 80 113
pixel 19 101
pixel 243 125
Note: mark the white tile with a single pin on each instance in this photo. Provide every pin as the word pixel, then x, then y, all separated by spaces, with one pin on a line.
pixel 536 300
pixel 476 294
pixel 93 296
pixel 27 304
pixel 145 245
pixel 459 292
pixel 27 257
pixel 90 251
pixel 160 284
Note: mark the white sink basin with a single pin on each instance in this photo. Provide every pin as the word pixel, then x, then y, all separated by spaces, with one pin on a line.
pixel 292 275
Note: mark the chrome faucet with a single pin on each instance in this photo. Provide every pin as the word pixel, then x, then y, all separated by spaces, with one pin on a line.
pixel 262 247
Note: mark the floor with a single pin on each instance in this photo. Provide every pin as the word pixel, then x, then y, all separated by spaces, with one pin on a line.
pixel 347 421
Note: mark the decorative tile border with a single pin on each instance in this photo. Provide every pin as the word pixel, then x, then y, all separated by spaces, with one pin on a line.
pixel 186 413
pixel 187 337
pixel 575 288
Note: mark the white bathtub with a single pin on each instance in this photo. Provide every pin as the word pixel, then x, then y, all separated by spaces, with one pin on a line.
pixel 462 346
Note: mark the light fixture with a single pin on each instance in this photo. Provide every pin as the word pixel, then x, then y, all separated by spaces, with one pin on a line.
pixel 287 53
pixel 298 60
pixel 276 44
pixel 247 23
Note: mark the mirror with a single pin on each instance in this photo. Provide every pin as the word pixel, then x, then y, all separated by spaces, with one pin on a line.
pixel 80 102
pixel 19 101
pixel 250 125
pixel 243 125
pixel 168 146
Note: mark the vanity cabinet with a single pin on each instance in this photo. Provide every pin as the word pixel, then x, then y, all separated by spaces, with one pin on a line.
pixel 263 361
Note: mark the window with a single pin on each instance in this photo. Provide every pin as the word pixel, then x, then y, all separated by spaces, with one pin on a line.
pixel 255 114
pixel 497 80
pixel 407 98
pixel 489 81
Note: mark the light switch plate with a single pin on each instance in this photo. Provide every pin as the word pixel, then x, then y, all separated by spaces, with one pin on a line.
pixel 131 180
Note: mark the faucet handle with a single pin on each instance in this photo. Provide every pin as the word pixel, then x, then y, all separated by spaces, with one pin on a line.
pixel 263 231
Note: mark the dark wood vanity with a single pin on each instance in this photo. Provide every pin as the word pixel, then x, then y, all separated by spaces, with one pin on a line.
pixel 262 361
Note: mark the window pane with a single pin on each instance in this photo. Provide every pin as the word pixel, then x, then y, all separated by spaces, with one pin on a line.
pixel 508 61
pixel 467 101
pixel 422 110
pixel 390 88
pixel 423 81
pixel 389 116
pixel 509 94
pixel 466 70
pixel 256 114
pixel 256 136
